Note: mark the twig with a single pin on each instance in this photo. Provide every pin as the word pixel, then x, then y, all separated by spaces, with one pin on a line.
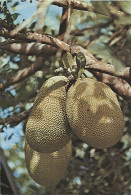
pixel 43 6
pixel 116 34
pixel 22 75
pixel 64 30
pixel 15 119
pixel 101 25
pixel 63 23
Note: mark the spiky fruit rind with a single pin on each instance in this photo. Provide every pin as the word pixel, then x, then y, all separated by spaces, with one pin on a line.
pixel 47 169
pixel 94 113
pixel 47 128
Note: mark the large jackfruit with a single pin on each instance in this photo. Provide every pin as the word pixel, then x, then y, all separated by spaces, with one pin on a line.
pixel 47 128
pixel 47 169
pixel 94 113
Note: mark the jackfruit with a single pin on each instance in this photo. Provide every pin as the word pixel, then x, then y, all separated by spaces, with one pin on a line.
pixel 47 128
pixel 94 113
pixel 47 169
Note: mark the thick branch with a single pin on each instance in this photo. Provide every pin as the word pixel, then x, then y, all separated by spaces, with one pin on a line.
pixel 120 86
pixel 85 6
pixel 91 60
pixel 33 37
pixel 12 120
pixel 29 48
pixel 93 63
pixel 109 69
pixel 75 4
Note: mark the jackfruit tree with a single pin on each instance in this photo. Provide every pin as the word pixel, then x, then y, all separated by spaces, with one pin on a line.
pixel 65 97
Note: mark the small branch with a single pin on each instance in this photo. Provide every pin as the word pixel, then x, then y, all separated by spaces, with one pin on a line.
pixel 101 25
pixel 43 6
pixel 63 23
pixel 25 73
pixel 68 29
pixel 64 30
pixel 41 20
pixel 117 36
pixel 12 120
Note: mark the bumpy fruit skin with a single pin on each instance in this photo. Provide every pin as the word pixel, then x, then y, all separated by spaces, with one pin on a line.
pixel 94 113
pixel 47 169
pixel 47 128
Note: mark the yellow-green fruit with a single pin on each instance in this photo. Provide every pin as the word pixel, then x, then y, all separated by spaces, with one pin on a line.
pixel 47 169
pixel 47 128
pixel 94 113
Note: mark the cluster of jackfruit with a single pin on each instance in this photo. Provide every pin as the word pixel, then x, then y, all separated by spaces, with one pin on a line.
pixel 89 109
pixel 48 145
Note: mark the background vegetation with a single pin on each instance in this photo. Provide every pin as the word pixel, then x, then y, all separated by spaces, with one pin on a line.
pixel 27 59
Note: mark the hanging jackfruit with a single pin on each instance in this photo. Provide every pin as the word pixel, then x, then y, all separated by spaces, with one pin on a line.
pixel 47 169
pixel 94 113
pixel 47 128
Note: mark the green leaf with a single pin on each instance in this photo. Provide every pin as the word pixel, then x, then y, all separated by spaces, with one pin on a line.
pixel 80 60
pixel 106 54
pixel 126 6
pixel 81 71
pixel 87 74
pixel 67 60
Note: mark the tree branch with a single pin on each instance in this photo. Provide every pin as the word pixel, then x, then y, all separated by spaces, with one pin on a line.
pixel 23 74
pixel 120 86
pixel 63 23
pixel 55 42
pixel 33 37
pixel 87 7
pixel 99 26
pixel 92 62
pixel 109 69
pixel 29 48
pixel 75 4
pixel 12 120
